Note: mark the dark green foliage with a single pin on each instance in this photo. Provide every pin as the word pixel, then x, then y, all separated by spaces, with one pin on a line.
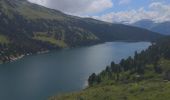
pixel 158 68
pixel 94 79
pixel 167 75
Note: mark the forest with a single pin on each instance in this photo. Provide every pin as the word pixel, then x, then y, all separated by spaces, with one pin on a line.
pixel 134 69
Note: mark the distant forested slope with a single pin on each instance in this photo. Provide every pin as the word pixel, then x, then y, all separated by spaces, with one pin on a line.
pixel 160 27
pixel 27 28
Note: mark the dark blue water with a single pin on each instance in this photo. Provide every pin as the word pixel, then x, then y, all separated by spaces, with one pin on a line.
pixel 39 76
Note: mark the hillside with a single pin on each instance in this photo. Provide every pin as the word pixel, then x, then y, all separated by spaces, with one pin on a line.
pixel 162 27
pixel 27 28
pixel 146 90
pixel 144 77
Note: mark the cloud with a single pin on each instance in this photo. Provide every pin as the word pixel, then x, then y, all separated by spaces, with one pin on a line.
pixel 157 12
pixel 163 11
pixel 77 7
pixel 124 2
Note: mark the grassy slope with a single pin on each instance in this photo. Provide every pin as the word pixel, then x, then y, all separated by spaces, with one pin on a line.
pixel 51 40
pixel 44 37
pixel 30 11
pixel 40 12
pixel 3 39
pixel 152 89
pixel 145 90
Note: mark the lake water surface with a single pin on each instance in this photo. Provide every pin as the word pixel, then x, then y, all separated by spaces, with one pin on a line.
pixel 37 77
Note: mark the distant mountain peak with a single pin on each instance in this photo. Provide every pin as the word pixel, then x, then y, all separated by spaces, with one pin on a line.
pixel 160 27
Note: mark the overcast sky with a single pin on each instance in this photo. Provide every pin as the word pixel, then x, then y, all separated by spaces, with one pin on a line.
pixel 128 11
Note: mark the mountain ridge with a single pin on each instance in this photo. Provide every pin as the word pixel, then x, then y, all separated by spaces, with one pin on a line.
pixel 26 25
pixel 159 27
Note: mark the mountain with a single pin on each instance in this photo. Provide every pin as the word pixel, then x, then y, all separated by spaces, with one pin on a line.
pixel 146 76
pixel 27 28
pixel 162 28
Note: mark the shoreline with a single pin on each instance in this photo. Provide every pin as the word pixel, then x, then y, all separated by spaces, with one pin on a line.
pixel 12 58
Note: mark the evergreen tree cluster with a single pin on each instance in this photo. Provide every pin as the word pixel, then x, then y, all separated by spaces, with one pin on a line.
pixel 134 69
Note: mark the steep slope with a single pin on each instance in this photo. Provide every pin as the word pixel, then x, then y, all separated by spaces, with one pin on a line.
pixel 146 90
pixel 147 24
pixel 162 28
pixel 24 25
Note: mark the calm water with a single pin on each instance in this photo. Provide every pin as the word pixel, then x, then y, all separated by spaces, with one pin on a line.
pixel 39 76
